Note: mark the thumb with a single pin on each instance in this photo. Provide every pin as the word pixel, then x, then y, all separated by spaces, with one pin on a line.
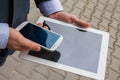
pixel 80 22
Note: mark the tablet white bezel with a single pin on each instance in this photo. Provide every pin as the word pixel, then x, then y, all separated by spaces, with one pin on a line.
pixel 102 58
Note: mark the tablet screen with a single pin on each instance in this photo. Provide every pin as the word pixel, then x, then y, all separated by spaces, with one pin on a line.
pixel 79 49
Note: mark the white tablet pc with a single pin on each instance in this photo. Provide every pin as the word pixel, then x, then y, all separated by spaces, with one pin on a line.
pixel 83 51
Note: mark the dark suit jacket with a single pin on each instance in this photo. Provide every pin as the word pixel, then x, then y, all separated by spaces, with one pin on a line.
pixel 19 11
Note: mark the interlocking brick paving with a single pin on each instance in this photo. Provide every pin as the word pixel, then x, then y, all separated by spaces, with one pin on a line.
pixel 102 14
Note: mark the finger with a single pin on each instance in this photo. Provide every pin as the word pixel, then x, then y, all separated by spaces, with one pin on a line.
pixel 19 48
pixel 79 22
pixel 40 24
pixel 45 27
pixel 31 45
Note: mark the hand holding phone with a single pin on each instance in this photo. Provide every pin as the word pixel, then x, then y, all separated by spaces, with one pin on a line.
pixel 45 38
pixel 17 42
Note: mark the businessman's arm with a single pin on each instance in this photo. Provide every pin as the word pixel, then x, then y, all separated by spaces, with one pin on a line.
pixel 54 9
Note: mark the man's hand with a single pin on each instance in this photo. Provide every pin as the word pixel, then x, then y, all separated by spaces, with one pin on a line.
pixel 63 16
pixel 17 42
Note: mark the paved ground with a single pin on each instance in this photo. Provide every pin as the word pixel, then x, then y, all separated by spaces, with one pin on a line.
pixel 102 14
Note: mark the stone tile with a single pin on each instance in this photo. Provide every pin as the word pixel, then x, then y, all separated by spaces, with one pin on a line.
pixel 85 78
pixel 118 40
pixel 118 2
pixel 109 55
pixel 117 9
pixel 55 76
pixel 16 56
pixel 71 76
pixel 44 70
pixel 8 67
pixel 80 4
pixel 62 1
pixel 111 42
pixel 104 23
pixel 117 52
pixel 112 32
pixel 33 15
pixel 69 3
pixel 102 28
pixel 108 15
pixel 85 1
pixel 112 2
pixel 16 76
pixel 61 72
pixel 91 5
pixel 3 78
pixel 33 4
pixel 87 13
pixel 110 8
pixel 103 2
pixel 93 1
pixel 76 12
pixel 37 76
pixel 100 7
pixel 94 22
pixel 115 65
pixel 97 14
pixel 116 16
pixel 26 68
pixel 112 75
pixel 67 9
pixel 114 23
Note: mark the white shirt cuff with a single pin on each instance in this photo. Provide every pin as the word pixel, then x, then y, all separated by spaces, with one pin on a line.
pixel 4 34
pixel 50 7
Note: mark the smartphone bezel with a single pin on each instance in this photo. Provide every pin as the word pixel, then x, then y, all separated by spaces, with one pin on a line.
pixel 54 46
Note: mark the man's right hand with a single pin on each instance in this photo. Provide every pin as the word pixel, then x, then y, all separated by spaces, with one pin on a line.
pixel 18 42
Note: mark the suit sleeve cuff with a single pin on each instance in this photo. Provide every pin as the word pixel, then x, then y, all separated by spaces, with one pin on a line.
pixel 4 34
pixel 50 7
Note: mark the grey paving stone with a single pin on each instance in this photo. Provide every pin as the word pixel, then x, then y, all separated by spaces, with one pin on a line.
pixel 54 76
pixel 115 64
pixel 80 4
pixel 26 68
pixel 111 42
pixel 8 67
pixel 61 72
pixel 112 75
pixel 70 76
pixel 44 70
pixel 85 78
pixel 75 11
pixel 3 78
pixel 17 76
pixel 37 76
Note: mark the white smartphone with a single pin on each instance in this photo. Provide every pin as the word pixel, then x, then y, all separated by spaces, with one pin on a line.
pixel 47 39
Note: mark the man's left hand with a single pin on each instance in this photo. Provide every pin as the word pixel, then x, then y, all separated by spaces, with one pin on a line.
pixel 66 17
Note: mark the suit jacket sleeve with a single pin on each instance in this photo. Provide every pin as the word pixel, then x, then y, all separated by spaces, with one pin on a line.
pixel 49 7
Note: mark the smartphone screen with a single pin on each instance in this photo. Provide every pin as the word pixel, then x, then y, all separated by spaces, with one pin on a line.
pixel 39 35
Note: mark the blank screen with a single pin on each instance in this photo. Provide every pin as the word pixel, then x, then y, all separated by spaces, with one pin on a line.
pixel 39 35
pixel 79 49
